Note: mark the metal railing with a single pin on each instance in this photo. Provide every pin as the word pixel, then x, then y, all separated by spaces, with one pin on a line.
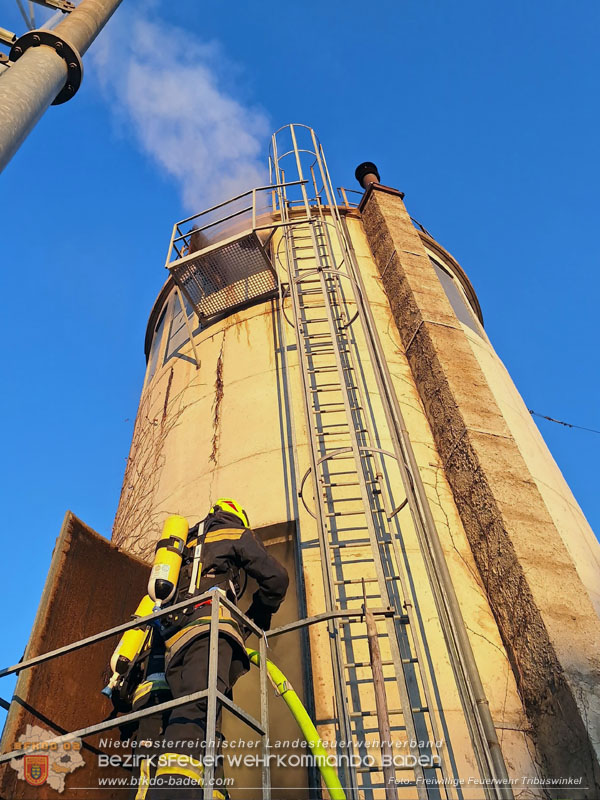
pixel 211 693
pixel 346 203
pixel 343 194
pixel 253 210
pixel 220 257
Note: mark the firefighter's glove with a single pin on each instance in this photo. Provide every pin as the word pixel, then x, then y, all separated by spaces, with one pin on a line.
pixel 120 700
pixel 260 613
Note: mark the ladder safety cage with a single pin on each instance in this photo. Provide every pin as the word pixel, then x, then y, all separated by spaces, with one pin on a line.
pixel 359 491
pixel 351 508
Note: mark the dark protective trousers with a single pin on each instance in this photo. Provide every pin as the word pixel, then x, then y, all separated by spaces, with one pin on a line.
pixel 149 731
pixel 186 728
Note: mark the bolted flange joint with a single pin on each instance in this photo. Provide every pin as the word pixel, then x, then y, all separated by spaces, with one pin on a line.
pixel 65 50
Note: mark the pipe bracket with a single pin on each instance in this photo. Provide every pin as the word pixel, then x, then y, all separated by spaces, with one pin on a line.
pixel 65 50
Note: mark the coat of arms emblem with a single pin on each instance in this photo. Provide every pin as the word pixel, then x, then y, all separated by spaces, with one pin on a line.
pixel 45 762
pixel 36 770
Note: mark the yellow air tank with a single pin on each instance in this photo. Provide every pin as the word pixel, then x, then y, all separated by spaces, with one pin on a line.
pixel 167 561
pixel 130 645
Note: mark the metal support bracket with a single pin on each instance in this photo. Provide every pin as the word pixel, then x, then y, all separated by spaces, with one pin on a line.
pixel 60 5
pixel 65 50
pixel 7 37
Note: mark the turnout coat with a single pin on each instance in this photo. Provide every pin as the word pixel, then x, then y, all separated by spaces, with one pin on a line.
pixel 227 549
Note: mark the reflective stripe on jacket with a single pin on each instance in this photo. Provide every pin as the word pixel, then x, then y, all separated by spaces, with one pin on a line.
pixel 228 548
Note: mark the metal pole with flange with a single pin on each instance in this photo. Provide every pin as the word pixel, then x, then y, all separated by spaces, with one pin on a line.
pixel 46 70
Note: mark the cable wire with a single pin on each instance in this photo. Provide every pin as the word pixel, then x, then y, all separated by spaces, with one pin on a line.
pixel 560 422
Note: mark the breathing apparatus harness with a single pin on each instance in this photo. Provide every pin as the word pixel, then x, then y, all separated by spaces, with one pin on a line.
pixel 136 644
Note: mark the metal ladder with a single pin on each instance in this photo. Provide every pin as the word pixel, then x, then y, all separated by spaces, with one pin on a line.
pixel 353 522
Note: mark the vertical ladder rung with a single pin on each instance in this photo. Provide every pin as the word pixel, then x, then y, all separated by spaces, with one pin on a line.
pixel 353 543
pixel 345 513
pixel 373 713
pixel 312 293
pixel 360 664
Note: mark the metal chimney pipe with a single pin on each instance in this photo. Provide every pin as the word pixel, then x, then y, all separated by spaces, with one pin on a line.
pixel 366 174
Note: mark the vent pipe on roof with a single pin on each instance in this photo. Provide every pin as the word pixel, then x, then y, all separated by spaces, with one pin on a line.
pixel 367 173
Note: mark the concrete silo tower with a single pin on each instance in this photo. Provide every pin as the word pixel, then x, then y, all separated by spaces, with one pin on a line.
pixel 327 366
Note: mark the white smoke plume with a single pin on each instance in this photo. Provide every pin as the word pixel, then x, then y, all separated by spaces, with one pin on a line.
pixel 166 88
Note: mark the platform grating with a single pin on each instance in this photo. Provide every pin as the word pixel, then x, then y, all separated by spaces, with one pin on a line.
pixel 225 278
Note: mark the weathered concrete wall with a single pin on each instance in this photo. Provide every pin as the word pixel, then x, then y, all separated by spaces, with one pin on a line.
pixel 494 666
pixel 229 428
pixel 568 518
pixel 215 432
pixel 206 433
pixel 543 610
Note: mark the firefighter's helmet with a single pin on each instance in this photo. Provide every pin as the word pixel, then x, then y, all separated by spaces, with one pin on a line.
pixel 231 507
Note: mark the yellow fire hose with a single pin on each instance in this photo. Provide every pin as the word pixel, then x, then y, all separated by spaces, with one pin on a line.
pixel 306 725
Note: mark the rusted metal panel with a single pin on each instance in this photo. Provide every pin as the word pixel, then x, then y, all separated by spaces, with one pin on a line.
pixel 91 586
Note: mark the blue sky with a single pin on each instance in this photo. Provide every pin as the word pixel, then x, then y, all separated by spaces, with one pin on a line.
pixel 484 113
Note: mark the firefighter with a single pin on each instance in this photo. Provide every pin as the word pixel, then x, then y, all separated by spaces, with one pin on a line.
pixel 216 551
